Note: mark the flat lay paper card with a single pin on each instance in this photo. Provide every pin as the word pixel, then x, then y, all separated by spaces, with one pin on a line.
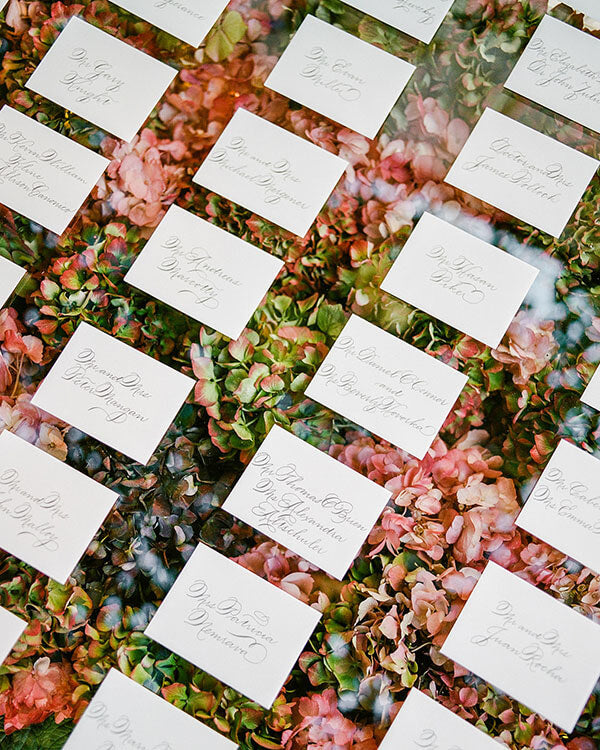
pixel 3 4
pixel 591 8
pixel 44 175
pixel 307 501
pixel 424 724
pixel 417 18
pixel 49 512
pixel 276 174
pixel 101 78
pixel 560 69
pixel 123 715
pixel 10 275
pixel 563 508
pixel 521 640
pixel 523 172
pixel 112 392
pixel 188 20
pixel 11 628
pixel 340 76
pixel 591 395
pixel 239 628
pixel 460 279
pixel 203 271
pixel 387 386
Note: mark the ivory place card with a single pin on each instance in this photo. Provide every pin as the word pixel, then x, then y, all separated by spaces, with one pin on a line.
pixel 101 78
pixel 124 715
pixel 112 392
pixel 234 625
pixel 417 18
pixel 460 279
pixel 307 501
pixel 11 628
pixel 276 174
pixel 10 275
pixel 560 69
pixel 387 386
pixel 523 172
pixel 521 640
pixel 591 395
pixel 340 76
pixel 564 507
pixel 188 20
pixel 49 512
pixel 43 175
pixel 424 724
pixel 203 271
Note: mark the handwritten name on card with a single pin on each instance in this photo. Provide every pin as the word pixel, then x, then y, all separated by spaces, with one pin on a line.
pixel 424 724
pixel 523 172
pixel 10 276
pixel 49 512
pixel 560 69
pixel 203 271
pixel 460 279
pixel 44 175
pixel 541 652
pixel 11 628
pixel 307 501
pixel 113 392
pixel 234 625
pixel 276 174
pixel 340 76
pixel 188 20
pixel 101 79
pixel 417 18
pixel 387 386
pixel 126 716
pixel 563 508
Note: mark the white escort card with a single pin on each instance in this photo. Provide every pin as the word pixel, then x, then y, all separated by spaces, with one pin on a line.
pixel 560 69
pixel 11 628
pixel 591 8
pixel 239 628
pixel 340 76
pixel 112 392
pixel 387 386
pixel 203 271
pixel 101 78
pixel 591 394
pixel 424 724
pixel 523 172
pixel 307 501
pixel 276 174
pixel 49 512
pixel 188 20
pixel 44 175
pixel 521 640
pixel 10 275
pixel 123 715
pixel 417 18
pixel 564 507
pixel 460 279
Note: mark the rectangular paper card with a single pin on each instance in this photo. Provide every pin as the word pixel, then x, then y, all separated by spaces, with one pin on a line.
pixel 521 640
pixel 44 175
pixel 276 174
pixel 460 279
pixel 188 20
pixel 203 271
pixel 557 71
pixel 591 395
pixel 239 628
pixel 10 275
pixel 387 386
pixel 123 715
pixel 523 172
pixel 11 628
pixel 564 507
pixel 49 512
pixel 101 78
pixel 424 724
pixel 112 392
pixel 307 501
pixel 340 76
pixel 417 18
pixel 589 7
